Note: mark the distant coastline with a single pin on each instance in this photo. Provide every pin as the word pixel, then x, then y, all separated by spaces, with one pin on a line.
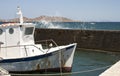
pixel 41 18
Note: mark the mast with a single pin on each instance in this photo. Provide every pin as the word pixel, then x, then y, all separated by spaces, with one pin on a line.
pixel 20 15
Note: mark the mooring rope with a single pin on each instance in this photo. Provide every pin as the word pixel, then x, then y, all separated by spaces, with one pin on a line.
pixel 78 72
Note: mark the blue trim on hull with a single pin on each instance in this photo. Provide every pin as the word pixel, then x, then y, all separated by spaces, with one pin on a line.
pixel 30 58
pixel 69 47
pixel 25 59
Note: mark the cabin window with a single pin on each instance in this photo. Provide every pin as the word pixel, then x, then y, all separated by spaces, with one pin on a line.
pixel 29 30
pixel 1 31
pixel 11 30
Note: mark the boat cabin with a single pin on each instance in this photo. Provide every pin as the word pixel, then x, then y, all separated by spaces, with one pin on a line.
pixel 13 36
pixel 17 40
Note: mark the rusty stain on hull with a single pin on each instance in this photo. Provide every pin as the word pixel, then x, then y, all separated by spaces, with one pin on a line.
pixel 38 67
pixel 64 69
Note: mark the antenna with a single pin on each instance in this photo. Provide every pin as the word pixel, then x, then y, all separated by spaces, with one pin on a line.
pixel 20 15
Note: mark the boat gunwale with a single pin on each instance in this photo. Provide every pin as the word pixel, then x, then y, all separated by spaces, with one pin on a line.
pixel 33 57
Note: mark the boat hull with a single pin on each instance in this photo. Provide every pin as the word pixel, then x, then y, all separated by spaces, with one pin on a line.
pixel 60 60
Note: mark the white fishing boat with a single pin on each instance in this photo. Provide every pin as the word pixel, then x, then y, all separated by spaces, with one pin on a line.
pixel 19 53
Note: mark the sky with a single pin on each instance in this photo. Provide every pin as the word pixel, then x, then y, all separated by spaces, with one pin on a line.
pixel 83 10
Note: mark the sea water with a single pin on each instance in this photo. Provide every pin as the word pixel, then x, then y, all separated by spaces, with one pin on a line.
pixel 93 63
pixel 80 25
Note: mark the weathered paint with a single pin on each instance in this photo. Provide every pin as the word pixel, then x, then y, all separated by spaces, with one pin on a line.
pixel 43 62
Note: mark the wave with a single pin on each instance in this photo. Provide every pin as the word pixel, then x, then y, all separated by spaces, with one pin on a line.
pixel 45 24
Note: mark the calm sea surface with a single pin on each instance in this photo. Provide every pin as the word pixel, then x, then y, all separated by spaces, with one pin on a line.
pixel 80 25
pixel 91 60
pixel 86 62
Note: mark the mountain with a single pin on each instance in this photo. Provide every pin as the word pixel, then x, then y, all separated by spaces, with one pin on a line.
pixel 46 18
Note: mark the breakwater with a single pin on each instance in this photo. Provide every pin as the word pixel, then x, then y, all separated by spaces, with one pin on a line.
pixel 87 39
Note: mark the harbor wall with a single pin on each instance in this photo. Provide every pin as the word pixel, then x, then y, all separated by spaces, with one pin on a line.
pixel 87 39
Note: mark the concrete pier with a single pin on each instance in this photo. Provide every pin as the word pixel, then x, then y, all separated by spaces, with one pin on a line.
pixel 112 71
pixel 4 72
pixel 87 39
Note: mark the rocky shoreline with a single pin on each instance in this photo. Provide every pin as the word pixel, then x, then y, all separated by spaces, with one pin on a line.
pixel 41 18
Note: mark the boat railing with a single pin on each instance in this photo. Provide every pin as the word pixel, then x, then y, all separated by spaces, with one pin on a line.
pixel 23 46
pixel 46 44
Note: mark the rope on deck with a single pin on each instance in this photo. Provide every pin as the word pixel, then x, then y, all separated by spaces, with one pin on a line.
pixel 78 72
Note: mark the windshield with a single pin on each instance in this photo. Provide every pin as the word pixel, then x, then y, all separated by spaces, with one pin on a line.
pixel 29 30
